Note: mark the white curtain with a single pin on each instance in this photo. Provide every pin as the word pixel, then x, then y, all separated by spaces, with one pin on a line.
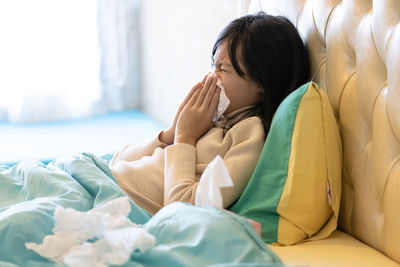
pixel 67 58
pixel 118 22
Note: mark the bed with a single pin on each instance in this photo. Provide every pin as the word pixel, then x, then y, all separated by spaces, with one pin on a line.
pixel 354 55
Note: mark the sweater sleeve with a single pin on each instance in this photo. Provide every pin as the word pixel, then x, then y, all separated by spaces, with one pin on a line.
pixel 180 172
pixel 139 150
pixel 241 159
pixel 180 164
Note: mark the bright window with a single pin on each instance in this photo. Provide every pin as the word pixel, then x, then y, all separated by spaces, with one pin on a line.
pixel 49 58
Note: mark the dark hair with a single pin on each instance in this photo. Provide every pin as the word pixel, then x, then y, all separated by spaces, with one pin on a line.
pixel 273 55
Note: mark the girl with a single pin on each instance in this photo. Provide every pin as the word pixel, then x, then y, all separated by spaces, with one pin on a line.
pixel 260 59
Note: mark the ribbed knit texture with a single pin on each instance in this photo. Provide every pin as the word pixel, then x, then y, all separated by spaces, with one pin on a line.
pixel 153 174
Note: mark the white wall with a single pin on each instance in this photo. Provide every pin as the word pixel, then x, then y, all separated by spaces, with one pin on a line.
pixel 177 39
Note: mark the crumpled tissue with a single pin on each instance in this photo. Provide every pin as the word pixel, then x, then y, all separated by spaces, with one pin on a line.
pixel 223 102
pixel 100 236
pixel 214 177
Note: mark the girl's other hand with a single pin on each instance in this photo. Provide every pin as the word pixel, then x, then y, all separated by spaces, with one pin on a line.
pixel 196 117
pixel 167 136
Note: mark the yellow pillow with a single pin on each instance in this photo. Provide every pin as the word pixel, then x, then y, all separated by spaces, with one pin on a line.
pixel 295 189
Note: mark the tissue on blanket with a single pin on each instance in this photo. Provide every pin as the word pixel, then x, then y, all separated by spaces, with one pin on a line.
pixel 116 236
pixel 223 102
pixel 214 177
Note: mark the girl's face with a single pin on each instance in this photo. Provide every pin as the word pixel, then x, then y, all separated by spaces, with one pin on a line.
pixel 241 91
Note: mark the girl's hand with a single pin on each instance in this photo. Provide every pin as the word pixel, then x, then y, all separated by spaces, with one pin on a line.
pixel 167 136
pixel 196 117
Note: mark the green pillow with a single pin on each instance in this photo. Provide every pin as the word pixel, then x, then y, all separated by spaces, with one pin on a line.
pixel 295 189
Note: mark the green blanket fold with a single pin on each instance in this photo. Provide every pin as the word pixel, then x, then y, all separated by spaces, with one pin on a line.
pixel 185 234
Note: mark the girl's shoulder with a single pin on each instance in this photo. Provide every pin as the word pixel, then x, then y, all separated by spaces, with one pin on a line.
pixel 249 128
pixel 254 121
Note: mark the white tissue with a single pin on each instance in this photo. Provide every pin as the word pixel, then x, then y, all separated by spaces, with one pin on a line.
pixel 214 177
pixel 116 236
pixel 223 102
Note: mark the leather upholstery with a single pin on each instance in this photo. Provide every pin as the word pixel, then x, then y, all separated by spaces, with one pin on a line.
pixel 355 54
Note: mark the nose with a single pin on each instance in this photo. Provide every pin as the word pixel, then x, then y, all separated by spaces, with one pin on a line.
pixel 213 75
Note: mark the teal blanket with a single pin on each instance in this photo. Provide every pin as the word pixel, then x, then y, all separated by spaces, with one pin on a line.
pixel 186 235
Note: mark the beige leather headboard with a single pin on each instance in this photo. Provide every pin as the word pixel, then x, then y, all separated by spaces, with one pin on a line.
pixel 355 55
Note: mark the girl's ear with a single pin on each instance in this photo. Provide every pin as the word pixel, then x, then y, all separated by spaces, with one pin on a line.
pixel 260 90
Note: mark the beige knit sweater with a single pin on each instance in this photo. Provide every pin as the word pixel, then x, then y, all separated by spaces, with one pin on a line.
pixel 154 174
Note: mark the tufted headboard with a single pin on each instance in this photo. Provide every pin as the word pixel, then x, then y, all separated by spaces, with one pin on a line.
pixel 355 56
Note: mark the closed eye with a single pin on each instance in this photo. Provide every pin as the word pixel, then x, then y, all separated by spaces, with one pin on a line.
pixel 221 69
